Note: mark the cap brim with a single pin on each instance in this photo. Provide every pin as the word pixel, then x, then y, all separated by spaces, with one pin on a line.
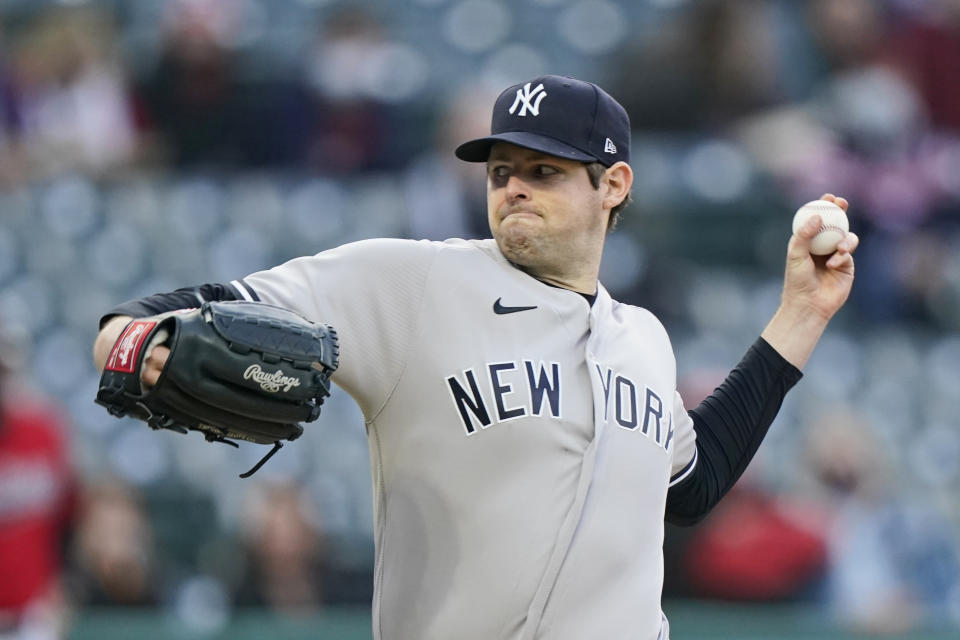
pixel 479 150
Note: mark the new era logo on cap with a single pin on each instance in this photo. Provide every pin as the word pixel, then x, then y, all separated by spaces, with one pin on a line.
pixel 559 116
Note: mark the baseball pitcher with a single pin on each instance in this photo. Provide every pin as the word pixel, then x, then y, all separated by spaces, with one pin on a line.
pixel 526 436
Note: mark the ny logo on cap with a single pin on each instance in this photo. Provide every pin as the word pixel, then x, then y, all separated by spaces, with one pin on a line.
pixel 524 96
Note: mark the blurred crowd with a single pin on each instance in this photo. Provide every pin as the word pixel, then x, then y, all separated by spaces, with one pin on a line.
pixel 731 102
pixel 146 146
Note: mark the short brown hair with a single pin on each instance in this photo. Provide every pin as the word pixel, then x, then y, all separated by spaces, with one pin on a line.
pixel 595 171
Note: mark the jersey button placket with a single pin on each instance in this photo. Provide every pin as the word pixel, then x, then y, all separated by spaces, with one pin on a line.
pixel 593 367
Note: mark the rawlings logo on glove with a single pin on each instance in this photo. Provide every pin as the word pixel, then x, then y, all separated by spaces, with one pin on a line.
pixel 270 382
pixel 199 388
pixel 127 348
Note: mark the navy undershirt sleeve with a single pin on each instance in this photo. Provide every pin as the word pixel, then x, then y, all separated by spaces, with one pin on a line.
pixel 730 425
pixel 185 298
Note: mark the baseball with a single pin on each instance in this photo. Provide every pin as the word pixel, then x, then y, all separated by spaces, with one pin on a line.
pixel 834 225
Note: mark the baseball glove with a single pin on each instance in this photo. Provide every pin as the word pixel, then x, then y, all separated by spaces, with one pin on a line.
pixel 236 371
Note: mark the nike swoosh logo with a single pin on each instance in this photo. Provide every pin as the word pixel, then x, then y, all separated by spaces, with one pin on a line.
pixel 499 309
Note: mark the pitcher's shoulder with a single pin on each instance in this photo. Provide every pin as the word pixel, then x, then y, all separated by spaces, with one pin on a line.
pixel 640 316
pixel 488 245
pixel 470 251
pixel 452 246
pixel 381 251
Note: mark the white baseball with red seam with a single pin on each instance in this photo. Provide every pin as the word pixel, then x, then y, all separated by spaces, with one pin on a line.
pixel 833 225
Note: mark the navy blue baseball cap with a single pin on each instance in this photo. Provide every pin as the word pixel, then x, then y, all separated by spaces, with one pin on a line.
pixel 558 116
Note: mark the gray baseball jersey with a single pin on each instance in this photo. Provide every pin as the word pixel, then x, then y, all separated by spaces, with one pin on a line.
pixel 521 440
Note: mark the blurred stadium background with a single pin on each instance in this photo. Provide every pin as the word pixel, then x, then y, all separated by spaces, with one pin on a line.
pixel 150 144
